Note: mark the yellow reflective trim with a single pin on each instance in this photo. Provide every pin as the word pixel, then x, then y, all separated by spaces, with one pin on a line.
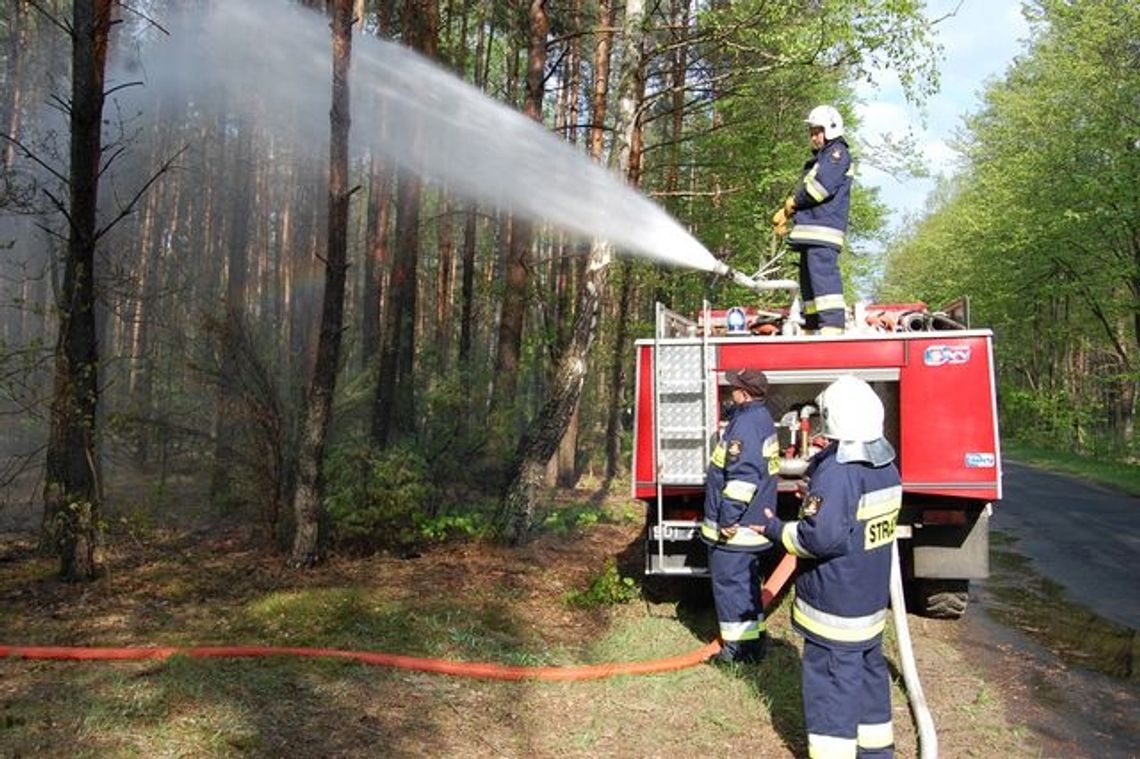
pixel 830 747
pixel 718 454
pixel 877 503
pixel 809 307
pixel 745 537
pixel 881 735
pixel 837 628
pixel 831 331
pixel 790 538
pixel 739 490
pixel 829 302
pixel 749 630
pixel 817 233
pixel 771 447
pixel 880 532
pixel 813 187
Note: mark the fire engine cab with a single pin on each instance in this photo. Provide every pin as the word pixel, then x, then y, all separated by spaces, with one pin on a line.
pixel 935 377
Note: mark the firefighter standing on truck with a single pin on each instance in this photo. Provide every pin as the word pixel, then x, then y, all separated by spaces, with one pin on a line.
pixel 843 537
pixel 820 207
pixel 741 483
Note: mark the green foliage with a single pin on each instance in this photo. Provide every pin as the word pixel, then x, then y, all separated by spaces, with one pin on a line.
pixel 1039 229
pixel 563 520
pixel 1113 468
pixel 606 589
pixel 395 499
pixel 379 499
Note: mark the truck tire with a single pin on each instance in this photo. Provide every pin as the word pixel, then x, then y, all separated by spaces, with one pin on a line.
pixel 940 599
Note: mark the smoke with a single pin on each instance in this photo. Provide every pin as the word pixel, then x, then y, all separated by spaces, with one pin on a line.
pixel 274 59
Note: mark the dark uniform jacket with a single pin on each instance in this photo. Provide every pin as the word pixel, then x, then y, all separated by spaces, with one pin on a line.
pixel 844 536
pixel 823 198
pixel 741 478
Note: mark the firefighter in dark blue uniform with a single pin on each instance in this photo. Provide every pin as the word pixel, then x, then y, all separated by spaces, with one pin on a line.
pixel 820 206
pixel 843 537
pixel 741 483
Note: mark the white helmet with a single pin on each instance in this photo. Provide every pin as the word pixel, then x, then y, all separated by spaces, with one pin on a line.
pixel 853 415
pixel 827 117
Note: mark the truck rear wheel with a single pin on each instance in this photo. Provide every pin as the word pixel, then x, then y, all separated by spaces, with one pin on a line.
pixel 940 599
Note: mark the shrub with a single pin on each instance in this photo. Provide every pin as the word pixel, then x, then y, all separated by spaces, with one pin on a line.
pixel 606 589
pixel 379 499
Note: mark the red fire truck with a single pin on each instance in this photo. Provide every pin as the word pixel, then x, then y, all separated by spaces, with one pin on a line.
pixel 936 380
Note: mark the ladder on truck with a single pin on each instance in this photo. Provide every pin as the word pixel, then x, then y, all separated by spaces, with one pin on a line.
pixel 685 414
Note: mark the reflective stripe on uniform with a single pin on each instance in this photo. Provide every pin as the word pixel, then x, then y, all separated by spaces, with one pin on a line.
pixel 749 630
pixel 809 307
pixel 830 747
pixel 879 503
pixel 790 537
pixel 717 457
pixel 813 186
pixel 881 735
pixel 828 302
pixel 771 452
pixel 740 490
pixel 816 233
pixel 831 330
pixel 745 537
pixel 771 446
pixel 835 627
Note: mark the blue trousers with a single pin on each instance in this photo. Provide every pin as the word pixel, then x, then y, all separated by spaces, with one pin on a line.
pixel 847 701
pixel 736 595
pixel 821 287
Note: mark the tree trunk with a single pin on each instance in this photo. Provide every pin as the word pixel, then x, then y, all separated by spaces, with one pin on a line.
pixel 307 505
pixel 11 106
pixel 522 232
pixel 467 288
pixel 71 491
pixel 516 513
pixel 393 412
pixel 470 220
pixel 617 374
pixel 563 465
pixel 229 412
pixel 445 278
pixel 375 261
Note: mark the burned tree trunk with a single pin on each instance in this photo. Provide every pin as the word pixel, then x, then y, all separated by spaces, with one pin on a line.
pixel 71 492
pixel 307 504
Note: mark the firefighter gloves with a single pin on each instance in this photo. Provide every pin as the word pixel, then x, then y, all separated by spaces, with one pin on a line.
pixel 781 218
pixel 780 223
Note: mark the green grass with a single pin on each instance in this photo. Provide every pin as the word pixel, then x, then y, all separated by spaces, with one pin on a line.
pixel 1120 474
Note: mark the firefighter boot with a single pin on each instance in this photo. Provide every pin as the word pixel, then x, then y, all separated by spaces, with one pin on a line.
pixel 741 651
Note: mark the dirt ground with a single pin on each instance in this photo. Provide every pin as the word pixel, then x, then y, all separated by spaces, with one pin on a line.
pixel 991 691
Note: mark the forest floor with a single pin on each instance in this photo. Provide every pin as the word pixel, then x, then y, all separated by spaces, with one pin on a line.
pixel 548 603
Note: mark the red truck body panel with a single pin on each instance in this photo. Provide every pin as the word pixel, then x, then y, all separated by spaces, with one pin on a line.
pixel 945 425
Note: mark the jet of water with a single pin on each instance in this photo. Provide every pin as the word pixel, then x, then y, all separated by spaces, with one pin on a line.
pixel 421 117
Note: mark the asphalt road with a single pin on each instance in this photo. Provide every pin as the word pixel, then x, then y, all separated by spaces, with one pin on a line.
pixel 1084 537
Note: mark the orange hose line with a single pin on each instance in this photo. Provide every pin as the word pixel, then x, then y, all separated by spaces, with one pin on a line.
pixel 482 670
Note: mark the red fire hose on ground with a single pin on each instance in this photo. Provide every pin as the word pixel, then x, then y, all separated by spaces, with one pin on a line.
pixel 483 670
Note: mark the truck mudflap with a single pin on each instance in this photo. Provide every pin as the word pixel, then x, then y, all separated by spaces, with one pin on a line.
pixel 950 542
